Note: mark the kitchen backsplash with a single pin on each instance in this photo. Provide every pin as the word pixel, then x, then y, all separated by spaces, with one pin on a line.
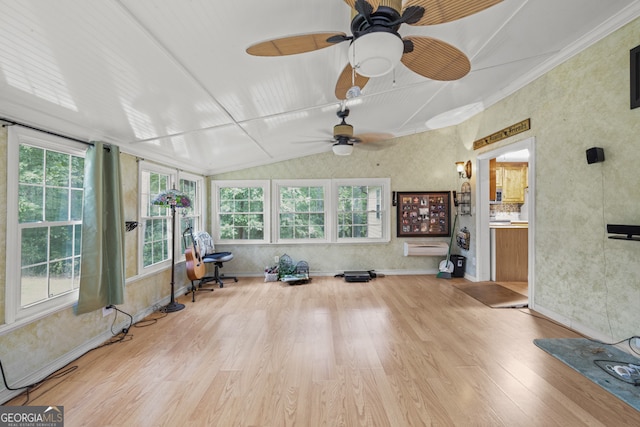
pixel 505 211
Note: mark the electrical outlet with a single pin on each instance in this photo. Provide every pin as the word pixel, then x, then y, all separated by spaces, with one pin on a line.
pixel 106 311
pixel 276 259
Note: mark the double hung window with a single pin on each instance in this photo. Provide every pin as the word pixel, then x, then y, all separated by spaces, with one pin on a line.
pixel 192 186
pixel 361 214
pixel 241 211
pixel 157 232
pixel 44 219
pixel 304 211
pixel 155 220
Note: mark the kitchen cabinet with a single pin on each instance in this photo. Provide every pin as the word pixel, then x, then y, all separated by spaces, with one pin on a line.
pixel 514 181
pixel 492 179
pixel 509 177
pixel 509 253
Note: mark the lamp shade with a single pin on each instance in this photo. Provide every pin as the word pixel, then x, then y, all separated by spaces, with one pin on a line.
pixel 172 197
pixel 342 149
pixel 375 54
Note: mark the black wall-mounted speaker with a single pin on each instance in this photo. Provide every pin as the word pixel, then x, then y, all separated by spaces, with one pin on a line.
pixel 595 155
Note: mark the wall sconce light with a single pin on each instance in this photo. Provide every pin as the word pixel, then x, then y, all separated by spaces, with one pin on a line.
pixel 464 169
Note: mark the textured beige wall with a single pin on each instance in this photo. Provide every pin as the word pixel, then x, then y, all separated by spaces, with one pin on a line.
pixel 129 177
pixel 421 162
pixel 580 273
pixel 583 277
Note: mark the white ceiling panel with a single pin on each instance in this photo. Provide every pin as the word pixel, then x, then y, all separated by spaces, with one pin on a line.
pixel 170 80
pixel 220 148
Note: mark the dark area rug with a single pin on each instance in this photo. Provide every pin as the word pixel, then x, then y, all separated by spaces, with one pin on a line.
pixel 598 363
pixel 495 296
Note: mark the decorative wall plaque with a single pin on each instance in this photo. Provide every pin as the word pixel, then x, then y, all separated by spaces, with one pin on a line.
pixel 515 129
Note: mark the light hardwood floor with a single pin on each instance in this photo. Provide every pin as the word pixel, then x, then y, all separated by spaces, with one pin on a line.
pixel 397 351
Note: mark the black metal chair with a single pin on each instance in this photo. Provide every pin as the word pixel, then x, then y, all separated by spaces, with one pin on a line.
pixel 209 255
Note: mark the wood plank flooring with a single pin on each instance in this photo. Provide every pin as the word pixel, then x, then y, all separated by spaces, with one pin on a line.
pixel 397 351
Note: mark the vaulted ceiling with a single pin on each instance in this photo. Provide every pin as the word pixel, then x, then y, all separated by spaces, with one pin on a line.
pixel 171 81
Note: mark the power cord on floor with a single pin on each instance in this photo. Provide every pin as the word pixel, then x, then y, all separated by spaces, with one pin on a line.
pixel 125 330
pixel 34 386
pixel 117 338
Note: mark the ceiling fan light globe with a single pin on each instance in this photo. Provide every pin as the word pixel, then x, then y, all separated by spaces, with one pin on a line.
pixel 353 92
pixel 342 149
pixel 375 54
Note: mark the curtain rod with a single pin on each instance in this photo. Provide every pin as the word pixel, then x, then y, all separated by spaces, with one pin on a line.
pixel 13 122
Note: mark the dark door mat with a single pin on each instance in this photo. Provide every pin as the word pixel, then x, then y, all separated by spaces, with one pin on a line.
pixel 495 296
pixel 598 362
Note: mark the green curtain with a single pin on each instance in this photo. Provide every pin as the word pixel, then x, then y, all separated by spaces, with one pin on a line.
pixel 102 274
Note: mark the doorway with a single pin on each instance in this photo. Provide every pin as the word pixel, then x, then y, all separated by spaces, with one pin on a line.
pixel 483 242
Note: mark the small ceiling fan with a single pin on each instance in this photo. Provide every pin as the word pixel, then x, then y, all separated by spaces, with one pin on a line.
pixel 344 139
pixel 376 47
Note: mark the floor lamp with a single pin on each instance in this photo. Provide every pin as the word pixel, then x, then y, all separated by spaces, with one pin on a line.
pixel 172 199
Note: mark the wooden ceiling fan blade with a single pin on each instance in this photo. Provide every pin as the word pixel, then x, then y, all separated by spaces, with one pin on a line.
pixel 441 11
pixel 374 141
pixel 374 3
pixel 292 45
pixel 436 59
pixel 372 137
pixel 345 82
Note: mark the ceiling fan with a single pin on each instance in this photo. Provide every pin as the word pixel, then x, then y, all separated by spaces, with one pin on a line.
pixel 344 139
pixel 376 47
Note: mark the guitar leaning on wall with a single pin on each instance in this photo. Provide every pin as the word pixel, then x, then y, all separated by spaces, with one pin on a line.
pixel 194 264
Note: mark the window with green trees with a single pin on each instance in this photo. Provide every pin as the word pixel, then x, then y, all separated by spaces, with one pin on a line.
pixel 349 210
pixel 301 212
pixel 191 216
pixel 156 220
pixel 241 213
pixel 50 194
pixel 360 211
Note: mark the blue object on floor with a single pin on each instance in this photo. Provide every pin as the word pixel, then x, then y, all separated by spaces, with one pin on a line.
pixel 597 361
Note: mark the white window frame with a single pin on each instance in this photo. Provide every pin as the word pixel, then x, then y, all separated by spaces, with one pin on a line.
pixel 215 210
pixel 154 168
pixel 271 190
pixel 14 314
pixel 198 219
pixel 328 209
pixel 385 208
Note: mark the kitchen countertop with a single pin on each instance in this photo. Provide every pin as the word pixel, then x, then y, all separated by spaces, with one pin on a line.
pixel 509 224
